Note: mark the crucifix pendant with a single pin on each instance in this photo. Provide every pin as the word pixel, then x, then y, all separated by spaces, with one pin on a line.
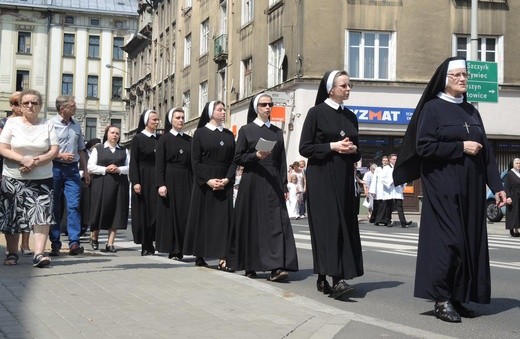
pixel 467 126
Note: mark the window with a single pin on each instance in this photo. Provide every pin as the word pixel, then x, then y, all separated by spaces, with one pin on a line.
pixel 187 4
pixel 186 105
pixel 272 2
pixel 94 22
pixel 69 20
pixel 247 76
pixel 487 48
pixel 174 57
pixel 68 45
pixel 117 49
pixel 247 11
pixel 24 42
pixel 118 24
pixel 204 37
pixel 22 80
pixel 91 129
pixel 187 50
pixel 203 94
pixel 275 63
pixel 93 46
pixel 117 87
pixel 369 55
pixel 92 86
pixel 66 84
pixel 116 123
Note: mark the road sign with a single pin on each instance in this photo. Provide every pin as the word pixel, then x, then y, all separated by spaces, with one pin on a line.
pixel 280 98
pixel 482 81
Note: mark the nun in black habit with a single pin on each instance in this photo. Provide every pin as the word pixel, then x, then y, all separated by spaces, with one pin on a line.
pixel 512 188
pixel 330 140
pixel 446 146
pixel 174 178
pixel 265 240
pixel 209 218
pixel 142 177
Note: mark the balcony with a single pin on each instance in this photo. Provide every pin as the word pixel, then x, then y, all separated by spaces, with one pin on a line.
pixel 221 48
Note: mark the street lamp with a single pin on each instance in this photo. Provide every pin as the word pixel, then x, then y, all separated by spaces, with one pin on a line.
pixel 144 37
pixel 114 67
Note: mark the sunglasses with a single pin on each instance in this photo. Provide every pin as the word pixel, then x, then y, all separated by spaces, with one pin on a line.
pixel 265 104
pixel 16 103
pixel 33 103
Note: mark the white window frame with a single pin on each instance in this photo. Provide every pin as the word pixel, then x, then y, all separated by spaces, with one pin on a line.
pixel 391 73
pixel 248 9
pixel 246 74
pixel 187 4
pixel 187 50
pixel 499 50
pixel 203 94
pixel 186 105
pixel 204 37
pixel 223 17
pixel 274 63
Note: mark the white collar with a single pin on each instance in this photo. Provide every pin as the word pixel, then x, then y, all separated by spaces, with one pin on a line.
pixel 515 171
pixel 148 134
pixel 174 132
pixel 260 123
pixel 332 103
pixel 213 127
pixel 449 98
pixel 106 144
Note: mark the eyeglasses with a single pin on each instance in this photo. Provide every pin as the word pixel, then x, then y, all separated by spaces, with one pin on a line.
pixel 33 103
pixel 458 75
pixel 16 103
pixel 265 104
pixel 351 85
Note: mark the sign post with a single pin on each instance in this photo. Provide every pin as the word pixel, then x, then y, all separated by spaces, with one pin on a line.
pixel 482 81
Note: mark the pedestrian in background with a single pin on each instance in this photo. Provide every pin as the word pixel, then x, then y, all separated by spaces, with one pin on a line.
pixel 446 145
pixel 367 178
pixel 265 240
pixel 512 188
pixel 67 181
pixel 174 184
pixel 28 144
pixel 329 141
pixel 210 216
pixel 16 109
pixel 142 178
pixel 109 163
pixel 394 194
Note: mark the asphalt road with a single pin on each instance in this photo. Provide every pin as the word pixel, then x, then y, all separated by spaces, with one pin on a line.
pixel 385 291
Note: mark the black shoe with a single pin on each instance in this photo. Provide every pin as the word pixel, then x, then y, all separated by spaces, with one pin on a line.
pixel 340 289
pixel 463 311
pixel 76 249
pixel 406 224
pixel 177 256
pixel 278 275
pixel 389 224
pixel 251 274
pixel 111 249
pixel 513 233
pixel 446 312
pixel 94 244
pixel 323 286
pixel 55 252
pixel 201 262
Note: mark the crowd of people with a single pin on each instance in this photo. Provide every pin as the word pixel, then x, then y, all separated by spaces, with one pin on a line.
pixel 212 196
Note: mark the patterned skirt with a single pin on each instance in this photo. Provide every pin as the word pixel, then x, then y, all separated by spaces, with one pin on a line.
pixel 25 203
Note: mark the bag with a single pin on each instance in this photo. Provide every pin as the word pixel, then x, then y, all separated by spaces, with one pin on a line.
pixel 366 203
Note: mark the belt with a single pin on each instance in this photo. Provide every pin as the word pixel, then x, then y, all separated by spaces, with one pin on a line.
pixel 64 164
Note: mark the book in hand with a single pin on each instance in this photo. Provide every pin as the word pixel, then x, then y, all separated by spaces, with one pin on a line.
pixel 265 145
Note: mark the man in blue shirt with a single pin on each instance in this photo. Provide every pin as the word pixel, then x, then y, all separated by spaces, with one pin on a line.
pixel 66 174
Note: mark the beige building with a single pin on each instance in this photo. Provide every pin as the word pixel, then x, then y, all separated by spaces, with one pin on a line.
pixel 69 47
pixel 188 52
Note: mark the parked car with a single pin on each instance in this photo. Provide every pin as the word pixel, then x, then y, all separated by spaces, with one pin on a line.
pixel 493 213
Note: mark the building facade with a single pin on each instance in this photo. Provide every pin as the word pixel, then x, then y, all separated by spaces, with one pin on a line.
pixel 67 47
pixel 188 52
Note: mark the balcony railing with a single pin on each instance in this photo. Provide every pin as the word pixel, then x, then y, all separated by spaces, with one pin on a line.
pixel 221 48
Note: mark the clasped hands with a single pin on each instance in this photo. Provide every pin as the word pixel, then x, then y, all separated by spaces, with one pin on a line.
pixel 28 163
pixel 217 184
pixel 344 146
pixel 472 147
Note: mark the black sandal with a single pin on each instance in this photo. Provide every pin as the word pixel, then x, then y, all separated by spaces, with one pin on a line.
pixel 11 259
pixel 41 261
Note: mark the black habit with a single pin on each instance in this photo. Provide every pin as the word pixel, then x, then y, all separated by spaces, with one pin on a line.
pixel 109 192
pixel 173 170
pixel 453 259
pixel 512 188
pixel 336 244
pixel 265 239
pixel 144 205
pixel 209 217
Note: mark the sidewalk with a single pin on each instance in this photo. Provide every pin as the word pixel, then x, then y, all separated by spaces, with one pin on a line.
pixel 97 295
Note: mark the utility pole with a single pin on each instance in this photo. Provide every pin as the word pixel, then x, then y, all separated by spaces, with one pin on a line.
pixel 474 35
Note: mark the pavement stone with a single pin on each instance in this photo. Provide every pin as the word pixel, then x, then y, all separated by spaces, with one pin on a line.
pixel 125 295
